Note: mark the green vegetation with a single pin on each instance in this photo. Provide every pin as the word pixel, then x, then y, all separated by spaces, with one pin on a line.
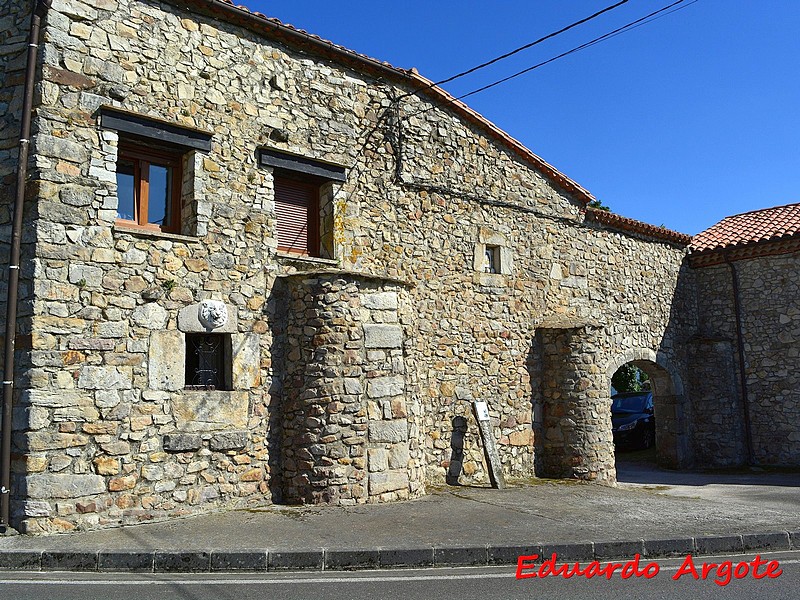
pixel 629 378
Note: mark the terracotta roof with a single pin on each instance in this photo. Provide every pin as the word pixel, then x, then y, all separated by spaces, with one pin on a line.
pixel 765 225
pixel 632 225
pixel 272 28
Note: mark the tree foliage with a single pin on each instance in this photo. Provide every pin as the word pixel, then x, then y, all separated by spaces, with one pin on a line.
pixel 630 378
pixel 599 205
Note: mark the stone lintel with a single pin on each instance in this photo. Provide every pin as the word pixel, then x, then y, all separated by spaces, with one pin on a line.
pixel 392 431
pixel 52 485
pixel 182 442
pixel 346 274
pixel 229 440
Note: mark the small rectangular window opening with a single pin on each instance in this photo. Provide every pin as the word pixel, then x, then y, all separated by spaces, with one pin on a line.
pixel 207 361
pixel 491 263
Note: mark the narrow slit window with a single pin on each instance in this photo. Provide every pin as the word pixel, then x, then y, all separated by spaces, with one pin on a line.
pixel 491 261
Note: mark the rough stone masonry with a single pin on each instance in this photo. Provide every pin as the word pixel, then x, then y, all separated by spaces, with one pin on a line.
pixel 450 264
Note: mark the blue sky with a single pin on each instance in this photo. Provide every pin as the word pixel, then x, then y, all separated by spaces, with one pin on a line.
pixel 680 122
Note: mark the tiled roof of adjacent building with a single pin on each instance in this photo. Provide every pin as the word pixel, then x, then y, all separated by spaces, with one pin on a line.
pixel 767 224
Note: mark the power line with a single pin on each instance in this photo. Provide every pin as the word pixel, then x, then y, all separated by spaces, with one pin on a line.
pixel 520 49
pixel 632 25
pixel 662 12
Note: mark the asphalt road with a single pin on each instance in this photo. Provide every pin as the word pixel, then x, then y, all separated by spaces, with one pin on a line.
pixel 485 583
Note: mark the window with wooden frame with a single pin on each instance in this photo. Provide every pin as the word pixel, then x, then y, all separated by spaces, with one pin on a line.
pixel 304 189
pixel 149 187
pixel 297 214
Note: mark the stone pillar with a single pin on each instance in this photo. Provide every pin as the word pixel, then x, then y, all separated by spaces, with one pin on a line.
pixel 578 442
pixel 344 392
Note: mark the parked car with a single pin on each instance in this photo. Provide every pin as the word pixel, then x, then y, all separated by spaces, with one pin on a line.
pixel 632 420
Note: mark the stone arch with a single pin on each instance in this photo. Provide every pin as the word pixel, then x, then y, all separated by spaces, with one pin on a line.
pixel 671 412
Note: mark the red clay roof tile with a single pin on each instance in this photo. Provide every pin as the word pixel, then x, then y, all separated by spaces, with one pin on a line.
pixel 767 224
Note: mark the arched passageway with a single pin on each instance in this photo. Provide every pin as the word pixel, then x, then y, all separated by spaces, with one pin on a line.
pixel 577 440
pixel 669 406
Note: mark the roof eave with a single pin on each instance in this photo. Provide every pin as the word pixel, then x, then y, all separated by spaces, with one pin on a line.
pixel 627 224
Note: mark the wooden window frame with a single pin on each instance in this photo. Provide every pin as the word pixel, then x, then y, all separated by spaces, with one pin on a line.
pixel 142 157
pixel 313 222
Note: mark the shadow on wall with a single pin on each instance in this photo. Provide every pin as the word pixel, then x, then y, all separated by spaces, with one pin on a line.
pixel 698 405
pixel 715 404
pixel 457 453
pixel 278 310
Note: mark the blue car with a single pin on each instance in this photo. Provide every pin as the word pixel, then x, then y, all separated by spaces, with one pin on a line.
pixel 632 420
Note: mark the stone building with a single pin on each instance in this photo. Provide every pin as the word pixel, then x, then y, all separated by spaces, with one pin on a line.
pixel 748 386
pixel 259 267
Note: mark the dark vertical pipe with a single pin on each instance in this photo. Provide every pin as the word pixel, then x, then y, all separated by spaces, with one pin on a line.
pixel 39 11
pixel 737 307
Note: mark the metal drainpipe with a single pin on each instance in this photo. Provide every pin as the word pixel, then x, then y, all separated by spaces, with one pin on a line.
pixel 39 12
pixel 737 307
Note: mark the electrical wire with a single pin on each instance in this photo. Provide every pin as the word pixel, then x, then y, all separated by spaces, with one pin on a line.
pixel 517 50
pixel 662 12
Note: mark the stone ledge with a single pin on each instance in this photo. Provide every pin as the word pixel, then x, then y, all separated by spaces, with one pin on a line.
pixel 303 259
pixel 239 561
pixel 461 556
pixel 718 544
pixel 345 274
pixel 408 557
pixel 509 555
pixel 130 562
pixel 159 235
pixel 352 559
pixel 182 562
pixel 296 559
pixel 673 547
pixel 69 561
pixel 606 550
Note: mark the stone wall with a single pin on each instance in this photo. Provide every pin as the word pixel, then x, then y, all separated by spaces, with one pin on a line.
pixel 770 305
pixel 108 434
pixel 15 17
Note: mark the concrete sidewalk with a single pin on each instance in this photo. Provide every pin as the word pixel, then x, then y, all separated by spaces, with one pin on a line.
pixel 652 512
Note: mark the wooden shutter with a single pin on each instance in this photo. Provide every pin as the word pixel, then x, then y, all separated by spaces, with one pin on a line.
pixel 297 212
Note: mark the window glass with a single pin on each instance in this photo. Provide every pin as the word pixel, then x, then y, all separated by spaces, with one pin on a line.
pixel 159 194
pixel 125 190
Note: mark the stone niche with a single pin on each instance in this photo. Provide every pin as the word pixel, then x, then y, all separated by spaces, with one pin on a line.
pixel 205 410
pixel 345 419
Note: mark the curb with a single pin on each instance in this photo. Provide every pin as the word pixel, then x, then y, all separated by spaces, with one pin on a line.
pixel 324 559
